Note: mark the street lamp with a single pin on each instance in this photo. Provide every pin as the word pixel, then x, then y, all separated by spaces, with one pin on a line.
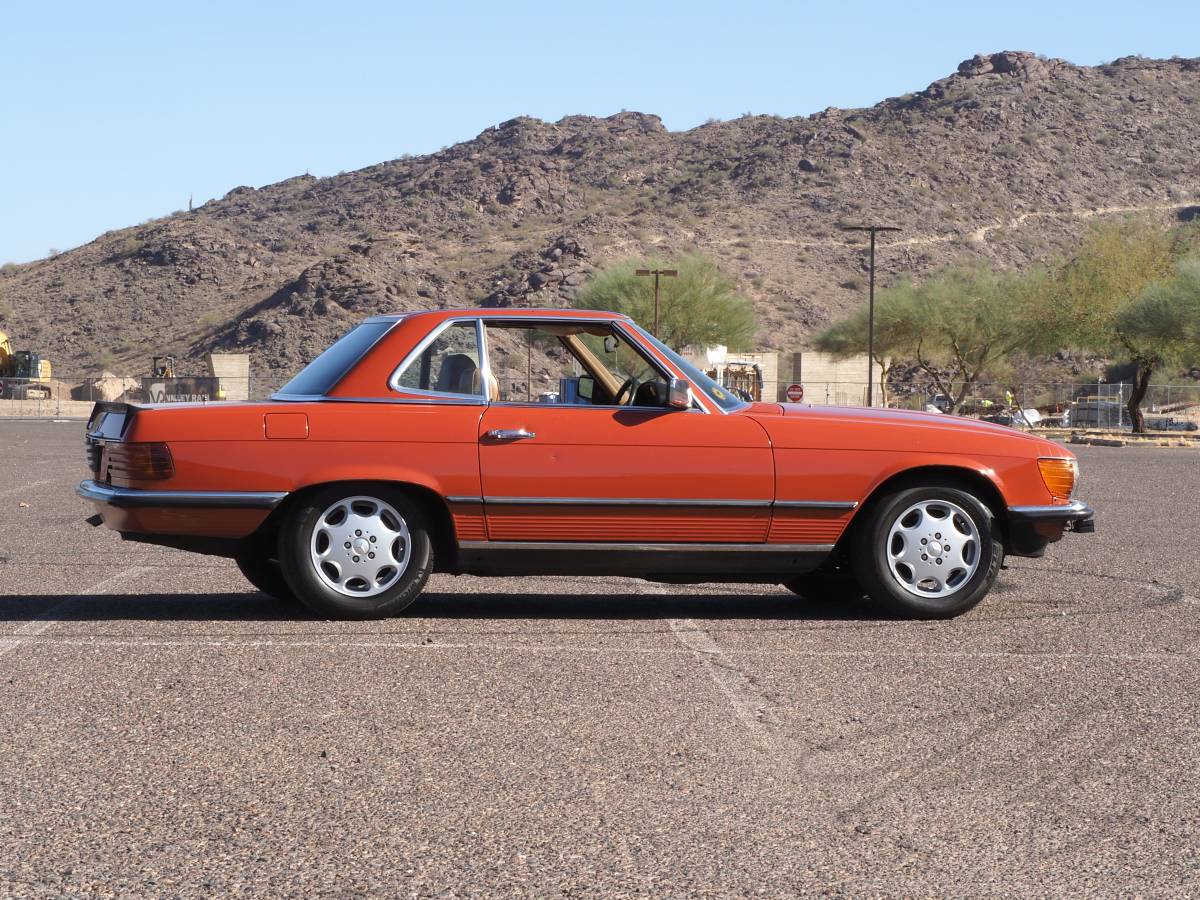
pixel 874 229
pixel 665 273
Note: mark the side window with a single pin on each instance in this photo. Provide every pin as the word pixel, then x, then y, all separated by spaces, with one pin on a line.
pixel 449 365
pixel 569 364
pixel 530 365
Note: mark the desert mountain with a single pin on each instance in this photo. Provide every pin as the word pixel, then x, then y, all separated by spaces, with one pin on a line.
pixel 1004 159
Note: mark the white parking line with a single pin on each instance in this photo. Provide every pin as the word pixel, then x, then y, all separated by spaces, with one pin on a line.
pixel 749 706
pixel 54 614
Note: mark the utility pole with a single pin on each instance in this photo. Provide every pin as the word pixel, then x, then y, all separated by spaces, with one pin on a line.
pixel 873 229
pixel 665 273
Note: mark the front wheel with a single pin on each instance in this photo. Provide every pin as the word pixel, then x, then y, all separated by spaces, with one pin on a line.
pixel 356 552
pixel 928 553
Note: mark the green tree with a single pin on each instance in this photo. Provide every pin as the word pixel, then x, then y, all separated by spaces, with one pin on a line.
pixel 896 333
pixel 1160 327
pixel 1111 297
pixel 957 326
pixel 699 307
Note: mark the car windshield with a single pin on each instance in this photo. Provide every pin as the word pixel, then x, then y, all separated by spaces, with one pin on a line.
pixel 320 375
pixel 715 392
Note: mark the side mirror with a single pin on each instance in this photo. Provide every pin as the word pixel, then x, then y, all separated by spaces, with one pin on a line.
pixel 679 394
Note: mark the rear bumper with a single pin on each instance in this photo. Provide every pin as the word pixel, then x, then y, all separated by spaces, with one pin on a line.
pixel 1031 528
pixel 136 498
pixel 203 521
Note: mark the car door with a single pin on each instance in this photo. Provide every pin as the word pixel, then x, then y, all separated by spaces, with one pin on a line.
pixel 562 472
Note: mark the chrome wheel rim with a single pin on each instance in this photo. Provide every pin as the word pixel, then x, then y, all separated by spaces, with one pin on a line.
pixel 933 549
pixel 360 546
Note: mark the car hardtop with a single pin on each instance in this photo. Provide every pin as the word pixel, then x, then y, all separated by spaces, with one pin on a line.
pixel 436 316
pixel 364 372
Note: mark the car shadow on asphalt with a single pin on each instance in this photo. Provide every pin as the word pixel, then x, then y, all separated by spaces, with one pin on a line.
pixel 257 607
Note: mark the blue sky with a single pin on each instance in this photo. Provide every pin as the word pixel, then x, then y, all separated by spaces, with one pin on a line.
pixel 112 113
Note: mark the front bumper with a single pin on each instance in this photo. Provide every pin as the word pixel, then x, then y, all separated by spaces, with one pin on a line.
pixel 136 498
pixel 1031 528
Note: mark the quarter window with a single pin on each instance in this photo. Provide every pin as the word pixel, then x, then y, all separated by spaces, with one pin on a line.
pixel 448 365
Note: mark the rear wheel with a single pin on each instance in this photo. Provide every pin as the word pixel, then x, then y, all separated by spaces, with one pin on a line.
pixel 356 552
pixel 928 552
pixel 265 575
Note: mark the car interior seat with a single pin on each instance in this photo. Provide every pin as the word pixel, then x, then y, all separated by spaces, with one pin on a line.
pixel 459 375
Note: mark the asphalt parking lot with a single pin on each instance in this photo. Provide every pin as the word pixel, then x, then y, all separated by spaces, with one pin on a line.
pixel 165 730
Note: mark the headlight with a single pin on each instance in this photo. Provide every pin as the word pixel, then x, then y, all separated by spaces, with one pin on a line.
pixel 1059 476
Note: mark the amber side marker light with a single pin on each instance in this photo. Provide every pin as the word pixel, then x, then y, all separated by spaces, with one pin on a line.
pixel 1059 476
pixel 140 462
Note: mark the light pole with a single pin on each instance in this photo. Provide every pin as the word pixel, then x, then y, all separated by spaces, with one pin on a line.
pixel 874 229
pixel 666 273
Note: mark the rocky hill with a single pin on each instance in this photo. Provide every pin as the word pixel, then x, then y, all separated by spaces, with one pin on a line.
pixel 1004 159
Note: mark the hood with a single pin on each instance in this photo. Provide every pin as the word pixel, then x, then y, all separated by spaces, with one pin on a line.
pixel 866 414
pixel 860 426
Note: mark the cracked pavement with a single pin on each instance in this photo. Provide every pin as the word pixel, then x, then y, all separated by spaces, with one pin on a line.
pixel 168 731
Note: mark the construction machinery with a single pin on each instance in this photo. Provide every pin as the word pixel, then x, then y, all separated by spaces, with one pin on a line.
pixel 163 367
pixel 24 374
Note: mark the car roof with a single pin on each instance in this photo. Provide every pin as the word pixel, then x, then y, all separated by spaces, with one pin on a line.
pixel 436 315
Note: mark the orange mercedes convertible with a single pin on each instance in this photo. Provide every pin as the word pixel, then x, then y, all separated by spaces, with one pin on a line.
pixel 499 442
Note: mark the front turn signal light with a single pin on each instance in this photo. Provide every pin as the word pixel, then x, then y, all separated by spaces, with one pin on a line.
pixel 1059 476
pixel 140 462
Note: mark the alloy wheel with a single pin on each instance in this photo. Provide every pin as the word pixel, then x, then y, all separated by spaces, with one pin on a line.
pixel 360 546
pixel 933 548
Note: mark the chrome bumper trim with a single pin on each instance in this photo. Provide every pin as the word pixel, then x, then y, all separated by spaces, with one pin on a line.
pixel 1076 509
pixel 569 546
pixel 135 498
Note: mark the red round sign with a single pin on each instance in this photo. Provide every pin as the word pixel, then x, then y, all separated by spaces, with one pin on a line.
pixel 795 392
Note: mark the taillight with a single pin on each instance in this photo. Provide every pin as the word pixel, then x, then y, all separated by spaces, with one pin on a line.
pixel 140 462
pixel 1059 476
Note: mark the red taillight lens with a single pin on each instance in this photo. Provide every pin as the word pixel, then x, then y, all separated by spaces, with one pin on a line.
pixel 1059 476
pixel 140 462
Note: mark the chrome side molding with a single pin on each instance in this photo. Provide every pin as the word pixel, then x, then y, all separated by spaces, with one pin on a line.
pixel 833 506
pixel 816 504
pixel 618 501
pixel 605 547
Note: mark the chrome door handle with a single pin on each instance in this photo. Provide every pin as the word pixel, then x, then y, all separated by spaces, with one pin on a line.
pixel 510 434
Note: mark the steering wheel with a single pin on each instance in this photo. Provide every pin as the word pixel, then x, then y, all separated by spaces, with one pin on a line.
pixel 629 387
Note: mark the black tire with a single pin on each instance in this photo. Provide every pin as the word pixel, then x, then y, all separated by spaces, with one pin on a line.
pixel 826 587
pixel 315 590
pixel 873 566
pixel 266 575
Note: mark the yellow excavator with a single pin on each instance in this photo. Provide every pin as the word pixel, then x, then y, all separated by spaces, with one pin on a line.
pixel 24 375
